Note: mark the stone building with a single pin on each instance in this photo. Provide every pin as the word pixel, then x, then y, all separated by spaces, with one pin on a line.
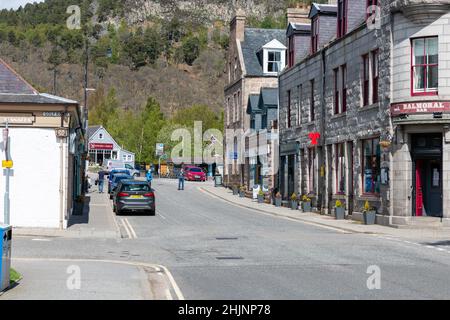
pixel 364 111
pixel 255 58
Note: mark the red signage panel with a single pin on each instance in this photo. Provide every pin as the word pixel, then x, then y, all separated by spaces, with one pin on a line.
pixel 101 146
pixel 420 107
pixel 314 136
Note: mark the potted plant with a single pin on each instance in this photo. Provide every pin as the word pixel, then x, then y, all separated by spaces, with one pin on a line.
pixel 235 190
pixel 306 203
pixel 278 199
pixel 260 196
pixel 242 191
pixel 339 210
pixel 369 213
pixel 294 201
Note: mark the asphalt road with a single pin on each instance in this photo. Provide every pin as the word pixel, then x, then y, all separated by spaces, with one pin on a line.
pixel 216 250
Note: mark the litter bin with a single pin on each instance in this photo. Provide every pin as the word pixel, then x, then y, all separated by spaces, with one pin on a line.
pixel 5 259
pixel 217 180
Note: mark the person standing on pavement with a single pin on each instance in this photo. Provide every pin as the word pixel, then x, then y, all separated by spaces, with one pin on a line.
pixel 181 179
pixel 101 181
pixel 149 177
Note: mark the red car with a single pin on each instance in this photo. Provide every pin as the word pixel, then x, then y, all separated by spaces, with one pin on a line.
pixel 194 174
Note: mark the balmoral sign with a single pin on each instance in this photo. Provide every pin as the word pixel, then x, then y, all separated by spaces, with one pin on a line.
pixel 419 107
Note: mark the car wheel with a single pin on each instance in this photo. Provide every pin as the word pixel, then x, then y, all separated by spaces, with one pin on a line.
pixel 110 197
pixel 152 213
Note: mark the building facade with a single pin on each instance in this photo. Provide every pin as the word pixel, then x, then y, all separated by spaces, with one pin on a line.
pixel 364 111
pixel 46 145
pixel 102 147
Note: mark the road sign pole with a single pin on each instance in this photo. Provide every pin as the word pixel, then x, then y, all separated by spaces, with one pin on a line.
pixel 7 170
pixel 159 167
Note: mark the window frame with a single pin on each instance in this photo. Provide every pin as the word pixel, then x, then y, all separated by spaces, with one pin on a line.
pixel 275 62
pixel 299 105
pixel 343 88
pixel 288 111
pixel 375 63
pixel 363 162
pixel 312 114
pixel 432 92
pixel 336 95
pixel 365 79
pixel 314 34
pixel 340 171
pixel 342 22
pixel 291 51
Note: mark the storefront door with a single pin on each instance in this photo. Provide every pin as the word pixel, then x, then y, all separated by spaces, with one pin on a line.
pixel 427 173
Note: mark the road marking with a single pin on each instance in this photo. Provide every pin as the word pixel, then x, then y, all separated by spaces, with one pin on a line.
pixel 133 233
pixel 130 263
pixel 41 240
pixel 126 228
pixel 168 295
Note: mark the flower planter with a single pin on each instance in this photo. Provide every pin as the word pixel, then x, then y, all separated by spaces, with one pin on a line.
pixel 340 213
pixel 278 202
pixel 241 194
pixel 235 191
pixel 294 205
pixel 306 206
pixel 369 217
pixel 260 199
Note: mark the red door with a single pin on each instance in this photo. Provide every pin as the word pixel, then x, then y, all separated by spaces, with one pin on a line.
pixel 419 188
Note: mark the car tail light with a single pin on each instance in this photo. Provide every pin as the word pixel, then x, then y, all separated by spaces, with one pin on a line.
pixel 149 195
pixel 123 194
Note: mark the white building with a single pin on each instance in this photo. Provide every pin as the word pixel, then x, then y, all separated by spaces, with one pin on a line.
pixel 46 147
pixel 102 146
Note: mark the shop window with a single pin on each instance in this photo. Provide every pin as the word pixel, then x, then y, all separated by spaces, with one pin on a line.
pixel 340 168
pixel 424 66
pixel 371 163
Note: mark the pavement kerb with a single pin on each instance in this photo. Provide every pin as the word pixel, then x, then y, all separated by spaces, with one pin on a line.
pixel 319 224
pixel 156 267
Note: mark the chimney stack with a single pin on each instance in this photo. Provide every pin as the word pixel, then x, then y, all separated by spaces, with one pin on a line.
pixel 298 15
pixel 237 26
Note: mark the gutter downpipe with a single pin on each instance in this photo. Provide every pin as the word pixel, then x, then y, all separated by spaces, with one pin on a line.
pixel 322 135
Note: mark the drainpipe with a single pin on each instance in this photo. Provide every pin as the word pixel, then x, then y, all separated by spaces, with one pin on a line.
pixel 322 134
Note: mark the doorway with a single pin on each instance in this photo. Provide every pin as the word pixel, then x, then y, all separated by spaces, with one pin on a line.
pixel 427 175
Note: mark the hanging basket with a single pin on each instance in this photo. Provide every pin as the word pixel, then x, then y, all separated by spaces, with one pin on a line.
pixel 385 144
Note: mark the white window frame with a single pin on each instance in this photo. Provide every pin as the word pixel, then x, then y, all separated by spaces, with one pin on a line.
pixel 282 62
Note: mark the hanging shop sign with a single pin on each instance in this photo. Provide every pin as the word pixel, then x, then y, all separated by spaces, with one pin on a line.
pixel 101 146
pixel 314 136
pixel 419 107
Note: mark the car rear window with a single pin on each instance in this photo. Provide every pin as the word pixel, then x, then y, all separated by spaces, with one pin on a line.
pixel 195 170
pixel 136 187
pixel 120 178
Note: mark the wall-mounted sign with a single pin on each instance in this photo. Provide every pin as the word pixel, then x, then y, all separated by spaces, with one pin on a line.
pixel 420 107
pixel 101 146
pixel 17 118
pixel 51 114
pixel 314 136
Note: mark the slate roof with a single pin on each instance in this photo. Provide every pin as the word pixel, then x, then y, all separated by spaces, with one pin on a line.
pixel 298 28
pixel 14 89
pixel 92 130
pixel 12 83
pixel 254 39
pixel 268 97
pixel 252 106
pixel 316 8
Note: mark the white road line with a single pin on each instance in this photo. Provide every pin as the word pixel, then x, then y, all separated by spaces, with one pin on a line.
pixel 168 295
pixel 126 228
pixel 173 283
pixel 133 233
pixel 159 214
pixel 42 240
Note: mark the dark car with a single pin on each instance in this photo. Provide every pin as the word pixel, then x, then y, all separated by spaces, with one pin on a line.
pixel 114 172
pixel 115 182
pixel 134 196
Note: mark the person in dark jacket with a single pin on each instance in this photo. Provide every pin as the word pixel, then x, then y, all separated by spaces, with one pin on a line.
pixel 181 179
pixel 101 180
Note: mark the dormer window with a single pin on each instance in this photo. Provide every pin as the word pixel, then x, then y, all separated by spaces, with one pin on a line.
pixel 274 61
pixel 342 18
pixel 314 35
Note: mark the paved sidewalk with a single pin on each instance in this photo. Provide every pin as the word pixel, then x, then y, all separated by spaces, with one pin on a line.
pixel 97 221
pixel 326 221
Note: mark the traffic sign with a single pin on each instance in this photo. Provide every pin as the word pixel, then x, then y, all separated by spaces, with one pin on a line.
pixel 159 149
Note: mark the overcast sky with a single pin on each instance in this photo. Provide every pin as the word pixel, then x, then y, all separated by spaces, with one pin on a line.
pixel 14 4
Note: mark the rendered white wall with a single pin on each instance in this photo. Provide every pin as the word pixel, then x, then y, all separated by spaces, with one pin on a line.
pixel 34 185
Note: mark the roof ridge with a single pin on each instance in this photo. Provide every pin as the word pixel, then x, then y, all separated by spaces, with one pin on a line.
pixel 18 75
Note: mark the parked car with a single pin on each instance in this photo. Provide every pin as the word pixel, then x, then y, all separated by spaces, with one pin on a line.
pixel 115 172
pixel 119 164
pixel 192 173
pixel 115 182
pixel 134 196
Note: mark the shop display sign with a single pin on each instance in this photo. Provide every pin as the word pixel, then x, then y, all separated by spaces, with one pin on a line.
pixel 420 107
pixel 101 146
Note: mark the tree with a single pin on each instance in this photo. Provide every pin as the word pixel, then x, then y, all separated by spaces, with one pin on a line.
pixel 191 49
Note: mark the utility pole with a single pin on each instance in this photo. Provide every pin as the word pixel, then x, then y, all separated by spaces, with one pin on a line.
pixel 8 166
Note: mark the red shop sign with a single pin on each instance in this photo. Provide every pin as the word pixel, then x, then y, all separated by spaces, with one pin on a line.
pixel 420 107
pixel 101 146
pixel 314 136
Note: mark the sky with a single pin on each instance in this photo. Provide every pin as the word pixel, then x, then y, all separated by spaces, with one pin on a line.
pixel 14 4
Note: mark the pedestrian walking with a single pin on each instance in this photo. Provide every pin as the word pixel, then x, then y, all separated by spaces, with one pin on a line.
pixel 101 180
pixel 149 177
pixel 181 179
